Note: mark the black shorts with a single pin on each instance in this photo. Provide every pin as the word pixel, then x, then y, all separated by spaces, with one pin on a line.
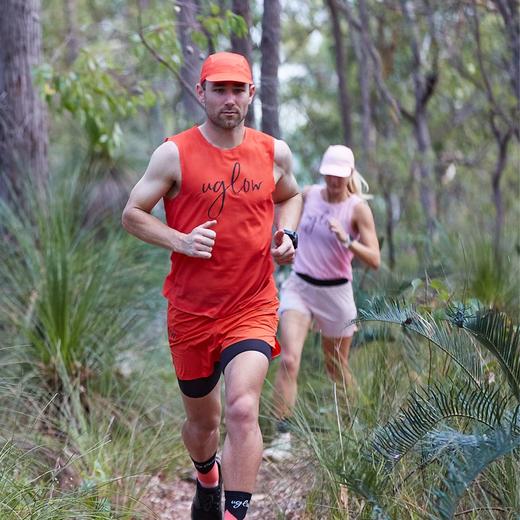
pixel 204 385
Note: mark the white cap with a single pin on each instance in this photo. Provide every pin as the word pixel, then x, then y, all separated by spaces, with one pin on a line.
pixel 338 160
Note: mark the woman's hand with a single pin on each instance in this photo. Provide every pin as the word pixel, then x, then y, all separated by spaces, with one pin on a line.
pixel 336 227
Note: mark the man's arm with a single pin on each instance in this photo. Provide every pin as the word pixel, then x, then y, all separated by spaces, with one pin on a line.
pixel 163 177
pixel 288 200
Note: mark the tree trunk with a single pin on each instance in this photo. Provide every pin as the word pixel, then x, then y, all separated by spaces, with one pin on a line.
pixel 511 16
pixel 69 8
pixel 498 113
pixel 425 161
pixel 503 143
pixel 191 58
pixel 270 47
pixel 23 116
pixel 389 207
pixel 341 71
pixel 424 85
pixel 365 85
pixel 244 46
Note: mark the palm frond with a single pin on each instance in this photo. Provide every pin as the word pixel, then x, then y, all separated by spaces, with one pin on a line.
pixel 454 342
pixel 428 407
pixel 501 337
pixel 463 466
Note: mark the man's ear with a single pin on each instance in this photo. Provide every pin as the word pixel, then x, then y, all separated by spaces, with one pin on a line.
pixel 252 90
pixel 200 92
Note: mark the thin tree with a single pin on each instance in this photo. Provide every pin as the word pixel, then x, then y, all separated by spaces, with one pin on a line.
pixel 270 47
pixel 69 10
pixel 365 83
pixel 425 80
pixel 187 23
pixel 510 14
pixel 23 117
pixel 502 122
pixel 425 76
pixel 341 72
pixel 244 45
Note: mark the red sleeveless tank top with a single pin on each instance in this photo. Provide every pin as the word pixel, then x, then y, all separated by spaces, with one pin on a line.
pixel 233 187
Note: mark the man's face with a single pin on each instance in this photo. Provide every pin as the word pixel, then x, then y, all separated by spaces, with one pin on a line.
pixel 226 103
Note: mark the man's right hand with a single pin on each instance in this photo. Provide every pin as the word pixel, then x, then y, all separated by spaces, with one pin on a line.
pixel 200 241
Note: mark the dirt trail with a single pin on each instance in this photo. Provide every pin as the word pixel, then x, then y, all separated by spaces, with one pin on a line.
pixel 280 494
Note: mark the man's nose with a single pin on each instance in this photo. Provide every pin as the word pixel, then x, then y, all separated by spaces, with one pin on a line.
pixel 229 99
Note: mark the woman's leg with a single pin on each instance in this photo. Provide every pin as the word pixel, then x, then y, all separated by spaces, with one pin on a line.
pixel 336 352
pixel 293 329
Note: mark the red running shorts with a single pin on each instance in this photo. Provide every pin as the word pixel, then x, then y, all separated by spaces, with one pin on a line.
pixel 196 342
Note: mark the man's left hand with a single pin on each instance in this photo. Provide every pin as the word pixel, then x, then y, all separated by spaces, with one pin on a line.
pixel 282 250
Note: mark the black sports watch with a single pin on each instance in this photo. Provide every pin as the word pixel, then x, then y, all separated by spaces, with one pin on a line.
pixel 293 235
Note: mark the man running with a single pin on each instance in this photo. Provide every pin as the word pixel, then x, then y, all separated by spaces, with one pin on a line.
pixel 220 183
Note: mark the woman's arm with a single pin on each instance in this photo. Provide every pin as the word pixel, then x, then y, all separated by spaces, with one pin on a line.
pixel 366 248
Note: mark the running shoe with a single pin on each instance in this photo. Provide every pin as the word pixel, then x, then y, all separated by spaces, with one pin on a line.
pixel 207 503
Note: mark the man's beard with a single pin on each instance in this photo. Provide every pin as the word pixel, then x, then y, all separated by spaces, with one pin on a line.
pixel 224 122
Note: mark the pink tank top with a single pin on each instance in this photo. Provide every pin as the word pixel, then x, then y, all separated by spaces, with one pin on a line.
pixel 319 253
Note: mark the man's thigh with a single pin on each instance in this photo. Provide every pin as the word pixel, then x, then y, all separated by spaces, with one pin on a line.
pixel 244 377
pixel 205 409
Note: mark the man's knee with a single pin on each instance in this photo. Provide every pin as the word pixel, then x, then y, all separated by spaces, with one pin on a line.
pixel 202 427
pixel 242 412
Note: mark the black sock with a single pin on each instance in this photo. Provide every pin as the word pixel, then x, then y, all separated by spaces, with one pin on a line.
pixel 205 467
pixel 237 503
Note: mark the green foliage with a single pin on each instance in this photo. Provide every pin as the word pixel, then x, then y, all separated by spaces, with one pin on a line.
pixel 429 407
pixel 217 23
pixel 24 492
pixel 95 94
pixel 501 337
pixel 436 452
pixel 494 281
pixel 494 421
pixel 468 457
pixel 65 285
pixel 454 343
pixel 68 292
pixel 62 461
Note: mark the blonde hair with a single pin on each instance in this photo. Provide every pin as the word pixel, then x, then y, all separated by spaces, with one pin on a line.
pixel 358 186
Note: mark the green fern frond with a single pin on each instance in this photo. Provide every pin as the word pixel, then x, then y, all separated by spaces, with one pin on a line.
pixel 429 407
pixel 499 335
pixel 454 342
pixel 463 466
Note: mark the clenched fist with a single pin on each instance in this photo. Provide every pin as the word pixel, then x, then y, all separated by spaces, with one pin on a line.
pixel 200 241
pixel 336 227
pixel 282 250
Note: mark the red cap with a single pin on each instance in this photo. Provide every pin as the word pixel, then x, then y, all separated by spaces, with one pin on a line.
pixel 226 66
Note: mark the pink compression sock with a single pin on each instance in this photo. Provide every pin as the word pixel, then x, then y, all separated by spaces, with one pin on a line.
pixel 209 479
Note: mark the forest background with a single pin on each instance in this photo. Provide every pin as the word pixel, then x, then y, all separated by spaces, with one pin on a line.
pixel 427 95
